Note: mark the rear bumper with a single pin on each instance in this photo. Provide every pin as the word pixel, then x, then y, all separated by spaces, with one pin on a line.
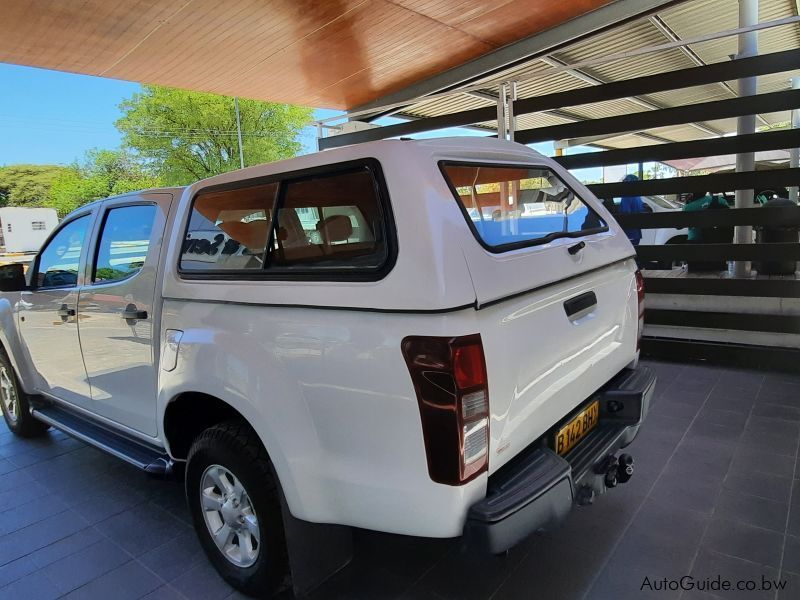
pixel 537 489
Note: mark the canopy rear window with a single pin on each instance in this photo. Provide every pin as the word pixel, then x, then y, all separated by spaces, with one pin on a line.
pixel 513 206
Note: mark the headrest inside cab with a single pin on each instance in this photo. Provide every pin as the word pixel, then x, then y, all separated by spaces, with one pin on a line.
pixel 336 228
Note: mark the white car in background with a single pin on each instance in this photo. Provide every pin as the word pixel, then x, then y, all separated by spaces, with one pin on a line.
pixel 665 235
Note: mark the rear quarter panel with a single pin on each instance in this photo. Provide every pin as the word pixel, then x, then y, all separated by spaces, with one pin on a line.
pixel 329 394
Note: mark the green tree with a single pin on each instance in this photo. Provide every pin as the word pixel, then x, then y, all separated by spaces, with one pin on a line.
pixel 103 173
pixel 191 135
pixel 27 185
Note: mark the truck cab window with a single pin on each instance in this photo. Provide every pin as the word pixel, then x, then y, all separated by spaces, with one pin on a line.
pixel 330 221
pixel 124 242
pixel 228 229
pixel 59 261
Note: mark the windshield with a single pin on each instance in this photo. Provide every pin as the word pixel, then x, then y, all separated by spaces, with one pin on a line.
pixel 516 206
pixel 663 202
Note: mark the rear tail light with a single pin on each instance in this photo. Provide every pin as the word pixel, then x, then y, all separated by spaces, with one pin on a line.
pixel 449 376
pixel 640 300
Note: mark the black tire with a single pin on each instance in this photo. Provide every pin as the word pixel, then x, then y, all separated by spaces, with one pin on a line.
pixel 236 447
pixel 21 422
pixel 668 265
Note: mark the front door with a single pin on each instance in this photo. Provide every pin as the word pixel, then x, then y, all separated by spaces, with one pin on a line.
pixel 116 310
pixel 48 319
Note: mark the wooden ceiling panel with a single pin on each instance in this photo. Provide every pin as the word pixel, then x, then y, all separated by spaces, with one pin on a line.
pixel 228 45
pixel 455 13
pixel 84 37
pixel 509 22
pixel 377 47
pixel 325 53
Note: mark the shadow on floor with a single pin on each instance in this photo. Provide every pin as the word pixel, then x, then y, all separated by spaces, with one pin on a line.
pixel 712 496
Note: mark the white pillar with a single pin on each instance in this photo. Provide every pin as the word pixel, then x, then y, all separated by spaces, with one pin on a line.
pixel 502 127
pixel 794 153
pixel 745 161
pixel 512 118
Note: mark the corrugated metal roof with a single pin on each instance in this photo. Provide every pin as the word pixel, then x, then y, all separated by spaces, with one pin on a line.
pixel 689 19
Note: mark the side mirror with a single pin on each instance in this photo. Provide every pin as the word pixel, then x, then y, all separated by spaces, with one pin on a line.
pixel 12 278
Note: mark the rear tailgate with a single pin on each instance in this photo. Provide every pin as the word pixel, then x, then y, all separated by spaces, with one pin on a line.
pixel 558 317
pixel 542 362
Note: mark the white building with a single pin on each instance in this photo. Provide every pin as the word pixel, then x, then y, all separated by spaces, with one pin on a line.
pixel 26 229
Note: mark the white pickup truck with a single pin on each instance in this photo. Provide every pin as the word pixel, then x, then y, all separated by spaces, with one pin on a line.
pixel 332 339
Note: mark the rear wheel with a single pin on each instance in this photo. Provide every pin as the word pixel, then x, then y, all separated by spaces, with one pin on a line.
pixel 15 403
pixel 235 505
pixel 668 265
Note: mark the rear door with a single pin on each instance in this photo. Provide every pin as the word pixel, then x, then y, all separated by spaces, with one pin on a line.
pixel 554 283
pixel 116 308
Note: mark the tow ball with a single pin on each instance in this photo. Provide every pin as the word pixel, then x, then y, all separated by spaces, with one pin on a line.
pixel 617 469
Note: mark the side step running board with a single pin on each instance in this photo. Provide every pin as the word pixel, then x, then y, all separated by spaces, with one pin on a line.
pixel 151 459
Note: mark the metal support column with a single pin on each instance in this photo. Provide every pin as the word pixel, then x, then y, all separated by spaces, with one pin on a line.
pixel 502 128
pixel 794 153
pixel 512 118
pixel 745 161
pixel 320 134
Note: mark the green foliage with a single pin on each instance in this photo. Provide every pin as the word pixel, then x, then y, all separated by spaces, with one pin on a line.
pixel 103 173
pixel 27 185
pixel 172 137
pixel 188 136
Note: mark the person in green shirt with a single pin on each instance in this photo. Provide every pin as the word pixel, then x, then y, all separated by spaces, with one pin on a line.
pixel 707 235
pixel 702 201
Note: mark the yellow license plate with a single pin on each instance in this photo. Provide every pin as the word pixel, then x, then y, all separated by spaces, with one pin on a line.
pixel 574 431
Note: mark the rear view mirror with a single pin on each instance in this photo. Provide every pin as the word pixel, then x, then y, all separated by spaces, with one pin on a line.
pixel 12 278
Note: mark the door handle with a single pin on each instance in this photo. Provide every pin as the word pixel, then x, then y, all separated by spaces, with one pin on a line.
pixel 131 313
pixel 65 312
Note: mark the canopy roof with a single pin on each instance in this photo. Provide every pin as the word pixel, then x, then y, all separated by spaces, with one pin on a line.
pixel 332 53
pixel 546 73
pixel 368 54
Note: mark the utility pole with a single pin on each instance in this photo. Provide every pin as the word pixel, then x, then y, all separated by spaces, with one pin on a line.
pixel 239 131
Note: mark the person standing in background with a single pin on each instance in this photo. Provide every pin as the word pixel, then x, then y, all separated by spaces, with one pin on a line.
pixel 631 205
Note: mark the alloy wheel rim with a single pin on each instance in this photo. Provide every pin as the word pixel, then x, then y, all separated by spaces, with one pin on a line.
pixel 8 395
pixel 229 516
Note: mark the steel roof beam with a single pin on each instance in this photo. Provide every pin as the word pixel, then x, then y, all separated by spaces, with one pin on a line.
pixel 745 67
pixel 569 116
pixel 643 102
pixel 610 15
pixel 678 115
pixel 672 36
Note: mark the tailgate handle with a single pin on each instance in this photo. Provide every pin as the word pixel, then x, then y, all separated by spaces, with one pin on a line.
pixel 573 250
pixel 579 303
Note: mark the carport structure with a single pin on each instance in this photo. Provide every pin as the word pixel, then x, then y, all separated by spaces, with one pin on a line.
pixel 670 85
pixel 641 80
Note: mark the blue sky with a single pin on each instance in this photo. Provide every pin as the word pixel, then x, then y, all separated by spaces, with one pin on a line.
pixel 50 117
pixel 53 117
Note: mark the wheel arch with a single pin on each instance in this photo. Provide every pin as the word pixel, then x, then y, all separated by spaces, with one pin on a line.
pixel 681 238
pixel 190 413
pixel 11 344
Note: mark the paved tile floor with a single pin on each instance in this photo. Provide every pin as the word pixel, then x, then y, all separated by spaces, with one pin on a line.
pixel 715 494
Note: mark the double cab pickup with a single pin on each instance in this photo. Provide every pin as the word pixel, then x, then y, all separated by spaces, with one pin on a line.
pixel 433 338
